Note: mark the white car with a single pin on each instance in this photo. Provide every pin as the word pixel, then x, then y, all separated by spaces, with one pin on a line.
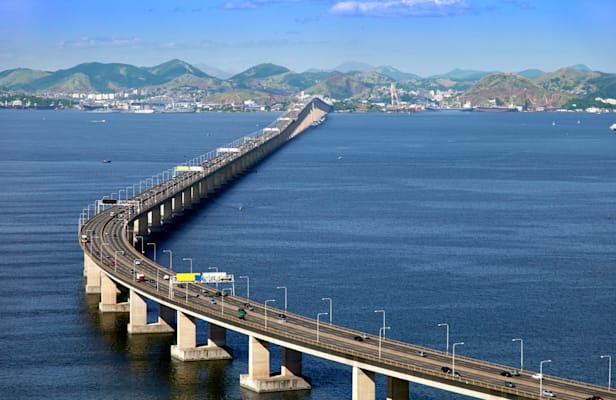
pixel 537 376
pixel 548 393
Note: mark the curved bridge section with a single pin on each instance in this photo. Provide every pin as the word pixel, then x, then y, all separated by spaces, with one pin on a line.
pixel 115 267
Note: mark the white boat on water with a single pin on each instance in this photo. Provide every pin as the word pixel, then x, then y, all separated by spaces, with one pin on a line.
pixel 613 127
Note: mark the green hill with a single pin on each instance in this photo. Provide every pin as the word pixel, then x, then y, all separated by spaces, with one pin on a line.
pixel 506 89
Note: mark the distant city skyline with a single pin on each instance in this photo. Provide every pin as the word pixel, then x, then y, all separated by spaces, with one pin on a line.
pixel 426 37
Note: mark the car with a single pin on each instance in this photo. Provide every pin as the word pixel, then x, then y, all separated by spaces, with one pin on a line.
pixel 514 372
pixel 358 338
pixel 166 277
pixel 506 373
pixel 421 353
pixel 548 393
pixel 537 376
pixel 140 277
pixel 212 301
pixel 446 370
pixel 282 318
pixel 595 398
pixel 509 384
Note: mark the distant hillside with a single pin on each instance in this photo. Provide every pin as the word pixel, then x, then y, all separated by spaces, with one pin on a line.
pixel 506 89
pixel 463 75
pixel 100 77
pixel 270 83
pixel 20 78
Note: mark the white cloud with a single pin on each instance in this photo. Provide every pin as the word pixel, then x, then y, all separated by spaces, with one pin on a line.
pixel 87 42
pixel 399 8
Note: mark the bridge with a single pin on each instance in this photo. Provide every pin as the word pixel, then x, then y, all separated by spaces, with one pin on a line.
pixel 115 265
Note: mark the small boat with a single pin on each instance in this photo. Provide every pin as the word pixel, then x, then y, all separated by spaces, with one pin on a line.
pixel 613 127
pixel 106 161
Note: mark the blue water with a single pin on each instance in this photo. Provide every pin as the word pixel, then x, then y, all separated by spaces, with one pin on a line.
pixel 500 225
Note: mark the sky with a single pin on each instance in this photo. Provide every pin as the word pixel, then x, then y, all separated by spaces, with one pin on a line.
pixel 425 37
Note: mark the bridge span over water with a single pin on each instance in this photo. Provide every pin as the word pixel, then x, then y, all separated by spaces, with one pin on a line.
pixel 115 264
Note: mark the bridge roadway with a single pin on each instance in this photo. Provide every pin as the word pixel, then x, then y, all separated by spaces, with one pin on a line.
pixel 111 249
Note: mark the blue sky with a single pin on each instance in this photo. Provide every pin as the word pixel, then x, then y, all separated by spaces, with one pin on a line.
pixel 426 37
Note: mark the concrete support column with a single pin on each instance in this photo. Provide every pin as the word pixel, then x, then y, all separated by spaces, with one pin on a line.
pixel 397 389
pixel 109 296
pixel 291 362
pixel 259 378
pixel 154 220
pixel 363 384
pixel 186 348
pixel 165 212
pixel 187 198
pixel 93 275
pixel 258 358
pixel 138 318
pixel 216 335
pixel 177 207
pixel 140 225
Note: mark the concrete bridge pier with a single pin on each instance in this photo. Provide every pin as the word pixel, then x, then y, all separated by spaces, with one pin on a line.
pixel 165 212
pixel 397 389
pixel 186 348
pixel 154 220
pixel 177 206
pixel 363 384
pixel 109 296
pixel 260 380
pixel 140 226
pixel 138 321
pixel 92 272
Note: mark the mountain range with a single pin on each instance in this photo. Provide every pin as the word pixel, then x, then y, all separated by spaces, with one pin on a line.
pixel 269 83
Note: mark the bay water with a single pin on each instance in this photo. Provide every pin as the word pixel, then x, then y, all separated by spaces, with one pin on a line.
pixel 500 225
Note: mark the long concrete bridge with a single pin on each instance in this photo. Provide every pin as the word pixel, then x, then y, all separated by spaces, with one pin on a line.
pixel 112 238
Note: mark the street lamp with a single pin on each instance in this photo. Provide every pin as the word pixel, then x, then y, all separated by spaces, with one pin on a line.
pixel 381 334
pixel 170 258
pixel 153 244
pixel 453 357
pixel 609 371
pixel 319 316
pixel 446 337
pixel 285 297
pixel 140 237
pixel 330 307
pixel 247 286
pixel 265 313
pixel 382 311
pixel 521 352
pixel 541 376
pixel 115 259
pixel 190 260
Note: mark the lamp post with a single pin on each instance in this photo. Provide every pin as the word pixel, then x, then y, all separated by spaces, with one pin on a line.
pixel 521 352
pixel 265 313
pixel 140 237
pixel 170 258
pixel 222 300
pixel 381 335
pixel 382 311
pixel 115 259
pixel 319 316
pixel 453 357
pixel 153 244
pixel 330 307
pixel 446 337
pixel 247 286
pixel 285 297
pixel 609 371
pixel 541 376
pixel 190 260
